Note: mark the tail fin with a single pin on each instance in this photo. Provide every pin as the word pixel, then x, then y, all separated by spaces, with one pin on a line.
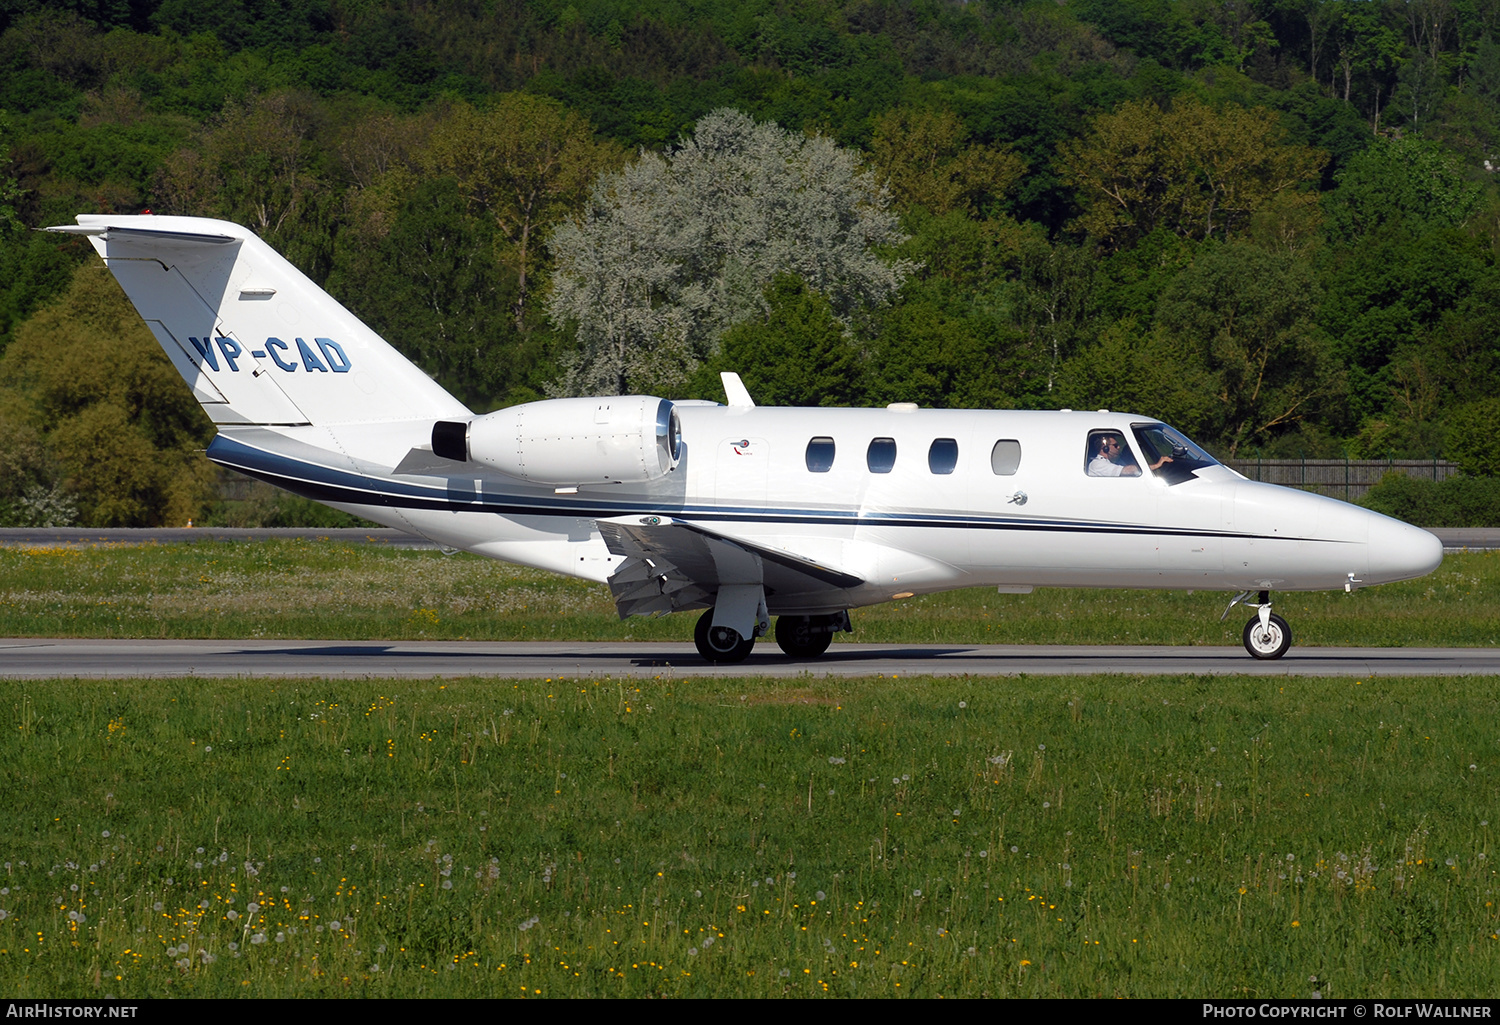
pixel 255 339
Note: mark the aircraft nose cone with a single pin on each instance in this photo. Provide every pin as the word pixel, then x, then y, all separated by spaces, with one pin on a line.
pixel 1399 551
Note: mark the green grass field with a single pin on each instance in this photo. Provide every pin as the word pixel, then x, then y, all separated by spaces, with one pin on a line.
pixel 316 590
pixel 1092 836
pixel 1029 837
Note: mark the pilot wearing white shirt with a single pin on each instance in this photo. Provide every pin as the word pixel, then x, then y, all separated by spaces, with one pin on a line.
pixel 1105 462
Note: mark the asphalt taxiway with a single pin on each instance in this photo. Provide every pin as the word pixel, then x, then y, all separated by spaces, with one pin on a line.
pixel 51 658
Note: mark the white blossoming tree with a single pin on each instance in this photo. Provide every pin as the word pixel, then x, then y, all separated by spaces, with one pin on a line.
pixel 676 248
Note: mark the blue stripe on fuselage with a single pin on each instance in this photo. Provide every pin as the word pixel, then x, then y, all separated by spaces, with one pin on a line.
pixel 327 484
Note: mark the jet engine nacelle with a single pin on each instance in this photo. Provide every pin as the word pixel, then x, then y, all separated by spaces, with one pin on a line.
pixel 567 442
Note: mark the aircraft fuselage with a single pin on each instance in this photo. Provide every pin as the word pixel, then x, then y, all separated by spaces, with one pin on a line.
pixel 932 514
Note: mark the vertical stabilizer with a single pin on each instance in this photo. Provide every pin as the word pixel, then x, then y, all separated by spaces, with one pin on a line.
pixel 255 339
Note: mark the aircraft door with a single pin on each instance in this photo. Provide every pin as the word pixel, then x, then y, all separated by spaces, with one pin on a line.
pixel 742 472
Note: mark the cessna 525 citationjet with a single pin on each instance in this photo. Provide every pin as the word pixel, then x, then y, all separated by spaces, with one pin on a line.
pixel 749 512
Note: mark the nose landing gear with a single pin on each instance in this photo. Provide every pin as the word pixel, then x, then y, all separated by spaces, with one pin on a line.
pixel 1267 636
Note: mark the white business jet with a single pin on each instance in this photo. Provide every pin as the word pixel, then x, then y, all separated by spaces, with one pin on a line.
pixel 749 512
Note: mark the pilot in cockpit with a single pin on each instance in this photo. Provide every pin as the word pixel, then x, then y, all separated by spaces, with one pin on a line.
pixel 1111 458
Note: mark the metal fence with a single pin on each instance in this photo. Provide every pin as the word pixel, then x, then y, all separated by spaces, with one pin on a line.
pixel 1348 479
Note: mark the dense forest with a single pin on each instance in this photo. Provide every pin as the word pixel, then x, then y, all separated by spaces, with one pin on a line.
pixel 1272 223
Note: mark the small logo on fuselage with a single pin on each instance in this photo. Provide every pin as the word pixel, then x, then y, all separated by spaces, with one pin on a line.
pixel 285 356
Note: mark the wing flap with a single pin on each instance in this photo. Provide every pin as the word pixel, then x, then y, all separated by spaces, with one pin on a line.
pixel 672 565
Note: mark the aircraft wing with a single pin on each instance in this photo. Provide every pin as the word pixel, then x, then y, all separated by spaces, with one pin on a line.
pixel 673 564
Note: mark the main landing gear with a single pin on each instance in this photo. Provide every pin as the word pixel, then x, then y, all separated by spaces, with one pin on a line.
pixel 798 636
pixel 809 636
pixel 720 643
pixel 1266 636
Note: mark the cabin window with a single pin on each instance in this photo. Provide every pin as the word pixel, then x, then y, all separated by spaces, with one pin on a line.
pixel 1005 457
pixel 942 457
pixel 881 455
pixel 1108 455
pixel 820 455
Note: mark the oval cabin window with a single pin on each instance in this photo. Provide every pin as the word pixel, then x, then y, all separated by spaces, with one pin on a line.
pixel 1005 457
pixel 820 455
pixel 942 457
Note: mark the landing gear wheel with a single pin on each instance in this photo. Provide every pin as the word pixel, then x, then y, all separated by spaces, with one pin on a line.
pixel 720 643
pixel 796 636
pixel 1270 642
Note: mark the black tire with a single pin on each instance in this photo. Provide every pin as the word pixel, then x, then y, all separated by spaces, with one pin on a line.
pixel 799 638
pixel 720 643
pixel 1269 643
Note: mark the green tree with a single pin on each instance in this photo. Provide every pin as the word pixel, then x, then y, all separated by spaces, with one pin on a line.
pixel 1410 184
pixel 420 268
pixel 927 161
pixel 254 166
pixel 796 354
pixel 935 351
pixel 1472 430
pixel 125 433
pixel 1394 288
pixel 1200 172
pixel 1250 314
pixel 1153 373
pixel 1053 298
pixel 526 162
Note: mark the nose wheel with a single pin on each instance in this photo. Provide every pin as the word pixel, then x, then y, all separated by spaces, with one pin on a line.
pixel 1267 640
pixel 1267 636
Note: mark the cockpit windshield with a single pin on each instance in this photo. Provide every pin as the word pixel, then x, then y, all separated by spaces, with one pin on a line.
pixel 1170 454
